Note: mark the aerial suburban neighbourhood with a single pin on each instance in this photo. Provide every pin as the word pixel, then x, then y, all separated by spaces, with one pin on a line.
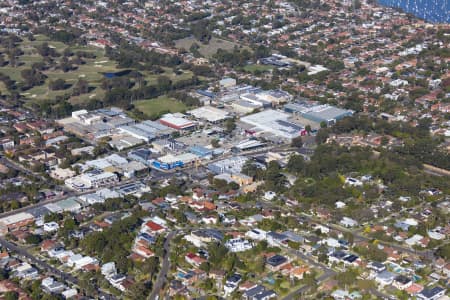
pixel 225 149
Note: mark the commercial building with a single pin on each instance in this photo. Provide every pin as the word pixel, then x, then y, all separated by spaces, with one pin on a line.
pixel 141 155
pixel 95 124
pixel 209 114
pixel 16 221
pixel 177 121
pixel 231 165
pixel 275 123
pixel 227 82
pixel 92 179
pixel 319 113
pixel 245 106
pixel 171 161
pixel 201 151
pixel 275 97
pixel 147 130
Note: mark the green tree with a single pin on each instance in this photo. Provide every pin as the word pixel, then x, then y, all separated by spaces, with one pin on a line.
pixel 11 295
pixel 296 164
pixel 230 125
pixel 297 142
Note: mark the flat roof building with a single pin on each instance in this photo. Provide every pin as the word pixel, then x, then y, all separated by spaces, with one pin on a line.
pixel 231 165
pixel 274 122
pixel 15 222
pixel 318 112
pixel 210 114
pixel 177 121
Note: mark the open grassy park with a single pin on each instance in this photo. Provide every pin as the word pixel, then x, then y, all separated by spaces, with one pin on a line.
pixel 154 107
pixel 206 50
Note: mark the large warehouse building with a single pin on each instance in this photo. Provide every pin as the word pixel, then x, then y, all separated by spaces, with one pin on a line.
pixel 177 121
pixel 274 122
pixel 318 113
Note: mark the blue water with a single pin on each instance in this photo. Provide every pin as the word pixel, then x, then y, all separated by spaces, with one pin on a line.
pixel 435 11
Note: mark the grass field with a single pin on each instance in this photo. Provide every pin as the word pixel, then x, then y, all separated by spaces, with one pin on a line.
pixel 206 50
pixel 153 107
pixel 91 71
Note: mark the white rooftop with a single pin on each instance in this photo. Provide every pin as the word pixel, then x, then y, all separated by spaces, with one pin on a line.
pixel 209 113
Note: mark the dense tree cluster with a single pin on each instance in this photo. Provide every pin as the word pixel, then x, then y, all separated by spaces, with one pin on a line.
pixel 114 243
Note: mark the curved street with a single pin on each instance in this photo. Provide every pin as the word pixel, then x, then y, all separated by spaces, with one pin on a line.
pixel 165 265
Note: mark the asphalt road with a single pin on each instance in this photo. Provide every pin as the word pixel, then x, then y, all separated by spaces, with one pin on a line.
pixel 328 273
pixel 42 265
pixel 424 253
pixel 161 279
pixel 13 165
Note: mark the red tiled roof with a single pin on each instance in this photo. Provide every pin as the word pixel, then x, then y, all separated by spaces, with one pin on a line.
pixel 153 226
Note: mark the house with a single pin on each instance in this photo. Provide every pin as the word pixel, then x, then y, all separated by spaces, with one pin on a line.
pixel 276 262
pixel 116 281
pixel 331 242
pixel 47 245
pixel 348 222
pixel 203 236
pixel 109 269
pixel 269 195
pixel 238 245
pixel 176 287
pixel 352 260
pixel 209 219
pixel 51 227
pixel 385 278
pixel 337 256
pixel 50 285
pixel 276 239
pixel 152 228
pixel 256 234
pixel 6 144
pixel 143 251
pixel 194 259
pixel 248 285
pixel 259 293
pixel 232 283
pixel 78 261
pixel 353 182
pixel 402 282
pixel 70 293
pixel 340 295
pixel 446 270
pixel 25 271
pixel 431 293
pixel 299 272
pixel 376 266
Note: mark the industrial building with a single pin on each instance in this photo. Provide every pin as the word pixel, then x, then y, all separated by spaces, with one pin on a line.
pixel 209 114
pixel 231 165
pixel 14 222
pixel 141 155
pixel 177 121
pixel 171 161
pixel 319 113
pixel 92 179
pixel 201 151
pixel 227 82
pixel 95 124
pixel 147 130
pixel 274 122
pixel 247 145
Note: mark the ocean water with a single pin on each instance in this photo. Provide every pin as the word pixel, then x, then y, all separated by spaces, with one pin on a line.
pixel 434 11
